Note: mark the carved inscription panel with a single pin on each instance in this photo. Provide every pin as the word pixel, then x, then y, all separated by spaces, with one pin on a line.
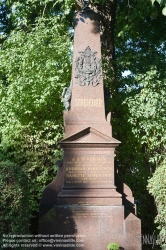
pixel 90 211
pixel 89 170
pixel 84 213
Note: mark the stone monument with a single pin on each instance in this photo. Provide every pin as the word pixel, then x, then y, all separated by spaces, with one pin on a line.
pixel 87 206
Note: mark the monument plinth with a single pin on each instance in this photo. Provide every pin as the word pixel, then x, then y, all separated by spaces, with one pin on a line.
pixel 85 198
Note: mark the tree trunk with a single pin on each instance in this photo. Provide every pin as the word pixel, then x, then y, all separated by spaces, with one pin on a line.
pixel 108 14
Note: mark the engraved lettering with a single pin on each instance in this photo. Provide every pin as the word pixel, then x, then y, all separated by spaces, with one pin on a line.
pixel 88 170
pixel 81 102
pixel 100 103
pixel 85 102
pixel 88 103
pixel 76 102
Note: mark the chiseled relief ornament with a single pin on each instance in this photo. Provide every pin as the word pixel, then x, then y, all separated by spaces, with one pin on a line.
pixel 88 68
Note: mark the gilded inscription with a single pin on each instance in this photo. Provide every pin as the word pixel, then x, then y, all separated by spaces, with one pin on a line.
pixel 88 170
pixel 85 214
pixel 89 213
pixel 88 103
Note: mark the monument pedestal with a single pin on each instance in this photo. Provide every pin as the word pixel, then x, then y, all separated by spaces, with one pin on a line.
pixel 89 169
pixel 87 207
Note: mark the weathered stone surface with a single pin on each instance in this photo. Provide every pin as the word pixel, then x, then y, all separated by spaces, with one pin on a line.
pixel 132 229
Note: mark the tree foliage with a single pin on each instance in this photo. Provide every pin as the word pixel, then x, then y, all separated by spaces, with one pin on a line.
pixel 139 101
pixel 162 3
pixel 157 187
pixel 35 65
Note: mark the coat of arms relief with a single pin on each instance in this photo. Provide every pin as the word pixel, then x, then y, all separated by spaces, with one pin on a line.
pixel 88 68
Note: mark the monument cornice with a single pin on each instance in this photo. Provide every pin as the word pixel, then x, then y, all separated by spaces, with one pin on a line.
pixel 90 138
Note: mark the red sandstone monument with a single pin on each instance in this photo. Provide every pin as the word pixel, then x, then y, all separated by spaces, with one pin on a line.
pixel 87 207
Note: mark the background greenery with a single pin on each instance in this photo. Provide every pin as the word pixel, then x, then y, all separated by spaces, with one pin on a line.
pixel 35 64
